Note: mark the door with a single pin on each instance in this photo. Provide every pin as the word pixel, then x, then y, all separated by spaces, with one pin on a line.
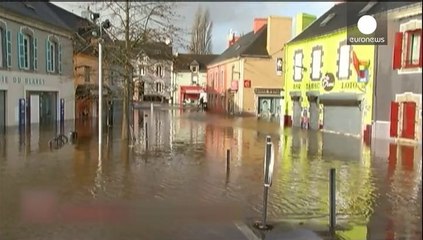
pixel 2 111
pixel 408 120
pixel 34 102
pixel 393 131
pixel 296 113
pixel 314 115
pixel 343 119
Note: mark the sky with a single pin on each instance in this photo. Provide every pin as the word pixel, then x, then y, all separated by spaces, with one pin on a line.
pixel 238 16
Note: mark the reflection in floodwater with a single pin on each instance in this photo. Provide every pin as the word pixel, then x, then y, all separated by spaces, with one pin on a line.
pixel 178 187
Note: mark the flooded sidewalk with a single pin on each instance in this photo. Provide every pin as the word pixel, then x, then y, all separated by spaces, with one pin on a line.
pixel 177 186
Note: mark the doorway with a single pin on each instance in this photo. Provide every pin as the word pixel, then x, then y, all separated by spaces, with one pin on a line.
pixel 42 107
pixel 2 111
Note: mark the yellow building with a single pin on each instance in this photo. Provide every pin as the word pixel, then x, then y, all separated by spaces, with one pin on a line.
pixel 328 83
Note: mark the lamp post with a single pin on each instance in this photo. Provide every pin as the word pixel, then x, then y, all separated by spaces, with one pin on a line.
pixel 105 24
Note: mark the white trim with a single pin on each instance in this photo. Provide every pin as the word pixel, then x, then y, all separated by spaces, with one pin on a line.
pixel 27 50
pixel 26 28
pixel 409 25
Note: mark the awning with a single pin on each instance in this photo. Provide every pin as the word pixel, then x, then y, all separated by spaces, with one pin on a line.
pixel 191 89
pixel 341 99
pixel 90 90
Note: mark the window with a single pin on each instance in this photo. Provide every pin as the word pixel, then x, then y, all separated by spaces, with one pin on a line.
pixel 87 74
pixel 159 71
pixel 142 70
pixel 54 55
pixel 413 51
pixel 2 48
pixel 159 87
pixel 26 51
pixel 344 61
pixel 407 52
pixel 194 68
pixel 316 63
pixel 298 65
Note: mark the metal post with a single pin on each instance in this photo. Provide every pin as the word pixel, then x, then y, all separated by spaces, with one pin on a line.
pixel 332 199
pixel 146 135
pixel 228 159
pixel 100 94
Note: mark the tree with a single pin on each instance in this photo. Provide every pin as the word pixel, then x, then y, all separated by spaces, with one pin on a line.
pixel 133 25
pixel 201 35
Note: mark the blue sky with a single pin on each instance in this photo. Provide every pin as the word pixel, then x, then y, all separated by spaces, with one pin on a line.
pixel 237 16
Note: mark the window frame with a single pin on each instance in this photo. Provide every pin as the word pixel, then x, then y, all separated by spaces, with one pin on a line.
pixel 3 47
pixel 406 48
pixel 317 48
pixel 300 54
pixel 347 71
pixel 53 55
pixel 27 51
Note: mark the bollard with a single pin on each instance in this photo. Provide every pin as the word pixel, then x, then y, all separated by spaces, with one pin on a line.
pixel 146 135
pixel 268 172
pixel 332 200
pixel 228 160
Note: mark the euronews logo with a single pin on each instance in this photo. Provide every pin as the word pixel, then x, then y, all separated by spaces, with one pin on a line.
pixel 369 31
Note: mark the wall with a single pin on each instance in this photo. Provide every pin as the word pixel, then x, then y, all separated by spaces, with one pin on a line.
pixel 85 60
pixel 302 21
pixel 390 82
pixel 150 78
pixel 184 79
pixel 330 45
pixel 17 81
pixel 217 86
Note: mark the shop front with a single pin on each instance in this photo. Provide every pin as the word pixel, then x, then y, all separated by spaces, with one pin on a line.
pixel 190 93
pixel 28 98
pixel 269 103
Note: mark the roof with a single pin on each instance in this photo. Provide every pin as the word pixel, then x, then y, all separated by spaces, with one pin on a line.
pixel 41 11
pixel 251 44
pixel 339 20
pixel 183 61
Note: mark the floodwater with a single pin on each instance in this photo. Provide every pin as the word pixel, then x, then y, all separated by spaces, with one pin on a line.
pixel 177 184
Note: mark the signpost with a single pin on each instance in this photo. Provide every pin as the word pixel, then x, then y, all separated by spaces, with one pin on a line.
pixel 269 160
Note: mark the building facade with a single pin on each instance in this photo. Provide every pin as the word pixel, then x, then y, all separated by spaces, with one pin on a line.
pixel 330 84
pixel 398 86
pixel 246 77
pixel 152 73
pixel 36 84
pixel 189 76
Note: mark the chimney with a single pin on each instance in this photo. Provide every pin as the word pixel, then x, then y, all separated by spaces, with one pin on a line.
pixel 259 23
pixel 302 21
pixel 275 37
pixel 232 38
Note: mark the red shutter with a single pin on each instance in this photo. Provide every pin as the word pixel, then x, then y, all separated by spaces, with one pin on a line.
pixel 394 119
pixel 421 50
pixel 397 51
pixel 408 120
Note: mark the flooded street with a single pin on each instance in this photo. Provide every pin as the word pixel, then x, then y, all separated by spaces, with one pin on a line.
pixel 177 186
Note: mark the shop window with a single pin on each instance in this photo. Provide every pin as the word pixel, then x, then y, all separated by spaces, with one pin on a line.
pixel 316 63
pixel 298 65
pixel 344 61
pixel 407 52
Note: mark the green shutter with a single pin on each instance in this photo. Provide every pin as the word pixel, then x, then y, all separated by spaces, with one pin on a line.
pixel 48 56
pixel 21 52
pixel 9 48
pixel 35 53
pixel 59 57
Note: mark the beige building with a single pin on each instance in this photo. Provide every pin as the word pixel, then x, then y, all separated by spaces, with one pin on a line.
pixel 246 79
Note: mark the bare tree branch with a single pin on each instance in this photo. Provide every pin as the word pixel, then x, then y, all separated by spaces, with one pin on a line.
pixel 201 34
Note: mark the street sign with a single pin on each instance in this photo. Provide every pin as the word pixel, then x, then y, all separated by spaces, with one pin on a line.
pixel 269 161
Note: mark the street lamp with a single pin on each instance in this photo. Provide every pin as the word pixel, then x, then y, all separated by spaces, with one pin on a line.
pixel 105 24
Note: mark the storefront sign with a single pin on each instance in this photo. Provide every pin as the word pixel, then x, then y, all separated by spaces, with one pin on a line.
pixel 328 82
pixel 22 80
pixel 313 86
pixel 272 91
pixel 349 85
pixel 297 86
pixel 247 83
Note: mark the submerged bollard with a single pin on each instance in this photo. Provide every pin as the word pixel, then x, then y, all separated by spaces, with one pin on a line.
pixel 332 199
pixel 228 160
pixel 146 135
pixel 268 172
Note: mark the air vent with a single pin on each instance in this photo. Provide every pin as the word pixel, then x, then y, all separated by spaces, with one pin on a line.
pixel 367 8
pixel 327 19
pixel 28 5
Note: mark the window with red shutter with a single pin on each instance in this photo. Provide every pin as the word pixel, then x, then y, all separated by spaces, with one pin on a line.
pixel 397 58
pixel 413 49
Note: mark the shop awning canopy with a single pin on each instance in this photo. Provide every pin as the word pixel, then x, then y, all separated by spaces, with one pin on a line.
pixel 191 89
